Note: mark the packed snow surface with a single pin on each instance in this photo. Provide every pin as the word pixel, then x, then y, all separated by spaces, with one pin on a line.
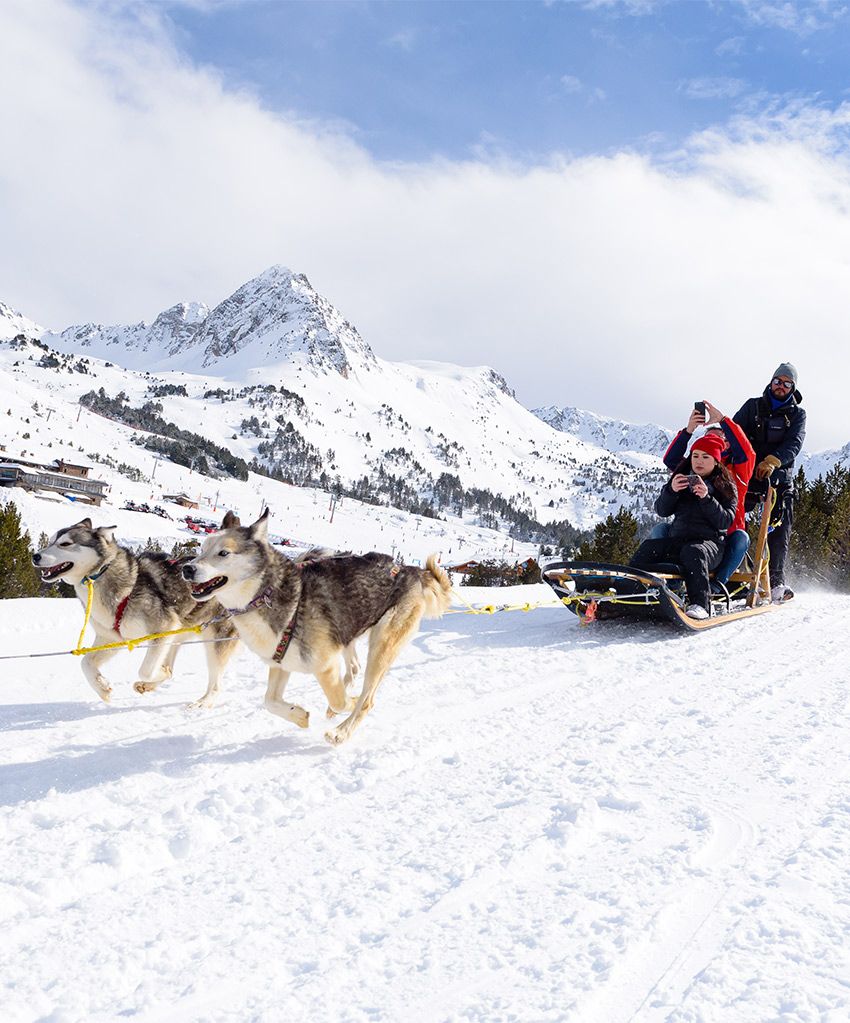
pixel 538 822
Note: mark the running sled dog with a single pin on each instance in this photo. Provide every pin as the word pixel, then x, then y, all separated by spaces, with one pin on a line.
pixel 135 596
pixel 303 616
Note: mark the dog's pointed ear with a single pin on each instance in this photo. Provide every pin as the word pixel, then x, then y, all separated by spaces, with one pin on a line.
pixel 85 523
pixel 230 520
pixel 260 528
pixel 107 532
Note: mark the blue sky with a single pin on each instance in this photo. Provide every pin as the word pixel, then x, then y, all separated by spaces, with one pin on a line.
pixel 619 207
pixel 415 80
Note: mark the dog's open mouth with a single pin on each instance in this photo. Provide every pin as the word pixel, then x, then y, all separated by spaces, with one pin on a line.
pixel 205 589
pixel 53 573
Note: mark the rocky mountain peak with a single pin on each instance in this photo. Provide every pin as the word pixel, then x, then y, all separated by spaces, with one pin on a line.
pixel 13 323
pixel 278 314
pixel 611 434
pixel 176 329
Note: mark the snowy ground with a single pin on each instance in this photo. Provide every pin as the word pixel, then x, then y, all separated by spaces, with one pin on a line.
pixel 538 822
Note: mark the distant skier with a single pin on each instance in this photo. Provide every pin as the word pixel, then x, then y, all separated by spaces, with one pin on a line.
pixel 776 425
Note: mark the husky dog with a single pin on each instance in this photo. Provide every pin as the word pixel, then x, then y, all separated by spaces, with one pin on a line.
pixel 349 654
pixel 302 617
pixel 133 597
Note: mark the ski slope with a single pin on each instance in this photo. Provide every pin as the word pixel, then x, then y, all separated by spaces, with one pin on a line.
pixel 538 822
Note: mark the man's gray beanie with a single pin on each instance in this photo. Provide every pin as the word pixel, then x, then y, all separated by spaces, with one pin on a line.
pixel 787 369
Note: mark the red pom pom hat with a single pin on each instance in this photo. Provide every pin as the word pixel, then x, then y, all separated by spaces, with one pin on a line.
pixel 711 443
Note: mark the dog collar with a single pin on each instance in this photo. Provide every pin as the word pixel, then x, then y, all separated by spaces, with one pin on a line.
pixel 264 599
pixel 96 575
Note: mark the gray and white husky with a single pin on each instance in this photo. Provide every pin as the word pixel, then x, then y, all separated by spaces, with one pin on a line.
pixel 134 596
pixel 303 616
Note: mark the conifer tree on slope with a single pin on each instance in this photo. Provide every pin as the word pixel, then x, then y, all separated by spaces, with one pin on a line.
pixel 18 578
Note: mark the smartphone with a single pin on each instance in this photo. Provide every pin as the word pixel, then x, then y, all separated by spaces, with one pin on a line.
pixel 693 479
pixel 700 407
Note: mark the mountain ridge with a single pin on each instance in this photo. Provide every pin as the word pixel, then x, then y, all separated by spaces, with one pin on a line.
pixel 276 374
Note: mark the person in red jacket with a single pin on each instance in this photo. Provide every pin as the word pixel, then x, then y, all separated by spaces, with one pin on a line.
pixel 739 457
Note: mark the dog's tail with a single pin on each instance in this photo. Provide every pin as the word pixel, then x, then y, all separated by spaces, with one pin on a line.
pixel 436 588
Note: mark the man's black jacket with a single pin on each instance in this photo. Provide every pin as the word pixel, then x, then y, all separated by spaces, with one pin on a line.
pixel 778 432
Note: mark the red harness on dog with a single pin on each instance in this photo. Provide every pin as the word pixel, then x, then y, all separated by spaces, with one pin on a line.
pixel 119 614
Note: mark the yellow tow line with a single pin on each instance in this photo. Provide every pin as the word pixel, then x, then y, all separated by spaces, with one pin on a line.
pixel 491 609
pixel 130 644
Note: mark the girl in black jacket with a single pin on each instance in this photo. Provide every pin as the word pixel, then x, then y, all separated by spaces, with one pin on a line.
pixel 702 497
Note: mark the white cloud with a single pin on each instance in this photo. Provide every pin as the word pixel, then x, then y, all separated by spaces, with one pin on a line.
pixel 403 40
pixel 575 86
pixel 802 17
pixel 713 88
pixel 132 179
pixel 732 47
pixel 636 8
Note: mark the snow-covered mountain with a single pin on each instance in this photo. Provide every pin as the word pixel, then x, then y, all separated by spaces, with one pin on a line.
pixel 275 317
pixel 277 379
pixel 136 345
pixel 612 434
pixel 819 463
pixel 13 323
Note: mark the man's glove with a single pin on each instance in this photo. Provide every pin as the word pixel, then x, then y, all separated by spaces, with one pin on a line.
pixel 766 466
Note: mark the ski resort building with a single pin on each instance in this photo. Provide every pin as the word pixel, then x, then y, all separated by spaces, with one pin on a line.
pixel 181 499
pixel 58 477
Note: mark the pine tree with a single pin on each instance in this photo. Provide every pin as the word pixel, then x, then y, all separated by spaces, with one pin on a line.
pixel 614 540
pixel 18 578
pixel 838 542
pixel 820 539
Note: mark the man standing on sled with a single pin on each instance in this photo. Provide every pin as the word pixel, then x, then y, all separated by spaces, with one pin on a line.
pixel 775 423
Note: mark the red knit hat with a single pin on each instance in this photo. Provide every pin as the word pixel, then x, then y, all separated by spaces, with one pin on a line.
pixel 711 443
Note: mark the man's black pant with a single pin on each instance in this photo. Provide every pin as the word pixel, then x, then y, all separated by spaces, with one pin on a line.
pixel 697 558
pixel 779 538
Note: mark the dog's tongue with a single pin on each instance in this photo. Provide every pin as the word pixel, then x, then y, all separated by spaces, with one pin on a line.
pixel 48 573
pixel 208 585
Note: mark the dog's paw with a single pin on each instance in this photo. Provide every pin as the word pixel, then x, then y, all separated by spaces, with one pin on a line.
pixel 335 737
pixel 330 713
pixel 102 688
pixel 300 717
pixel 144 687
pixel 204 703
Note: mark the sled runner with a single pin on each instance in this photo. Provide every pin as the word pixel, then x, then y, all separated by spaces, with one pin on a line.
pixel 596 591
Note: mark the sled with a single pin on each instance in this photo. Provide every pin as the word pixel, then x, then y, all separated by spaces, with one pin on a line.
pixel 596 591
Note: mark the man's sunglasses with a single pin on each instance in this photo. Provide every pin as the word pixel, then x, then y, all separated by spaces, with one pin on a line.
pixel 779 382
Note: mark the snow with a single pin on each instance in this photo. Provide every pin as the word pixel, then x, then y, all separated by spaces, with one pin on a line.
pixel 538 821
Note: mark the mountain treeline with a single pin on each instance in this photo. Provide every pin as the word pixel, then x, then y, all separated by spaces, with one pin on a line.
pixel 180 446
pixel 396 478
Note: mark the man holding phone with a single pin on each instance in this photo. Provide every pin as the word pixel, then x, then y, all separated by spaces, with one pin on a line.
pixel 738 457
pixel 775 423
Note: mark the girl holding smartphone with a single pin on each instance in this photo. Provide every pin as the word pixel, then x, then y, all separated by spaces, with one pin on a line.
pixel 702 498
